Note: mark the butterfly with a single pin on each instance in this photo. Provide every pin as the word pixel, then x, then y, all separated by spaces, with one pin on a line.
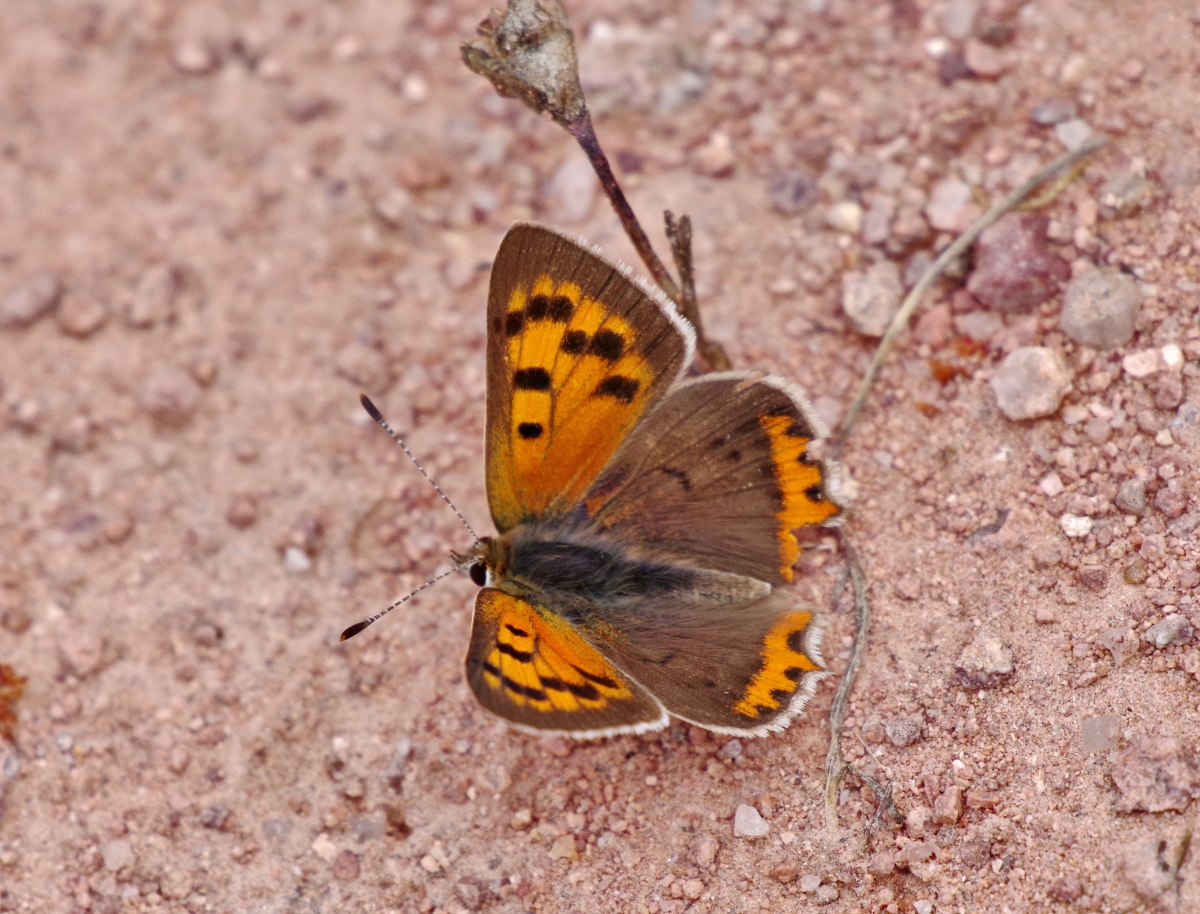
pixel 645 522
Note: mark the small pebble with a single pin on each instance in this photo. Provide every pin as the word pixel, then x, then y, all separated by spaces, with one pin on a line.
pixel 922 906
pixel 242 512
pixel 958 18
pixel 31 302
pixel 1131 497
pixel 117 855
pixel 564 848
pixel 1015 271
pixel 1075 526
pixel 170 396
pixel 984 663
pixel 984 60
pixel 1051 485
pixel 345 866
pixel 846 216
pixel 571 191
pixel 979 325
pixel 948 808
pixel 1031 382
pixel 902 731
pixel 918 821
pixel 1143 364
pixel 934 326
pixel 1147 866
pixel 809 883
pixel 917 852
pixel 1174 629
pixel 749 823
pixel 1100 308
pixel 872 299
pixel 1123 195
pixel 154 298
pixel 1053 111
pixel 715 158
pixel 296 560
pixel 1155 774
pixel 827 894
pixel 81 316
pixel 950 207
pixel 1073 133
pixel 194 58
pixel 791 192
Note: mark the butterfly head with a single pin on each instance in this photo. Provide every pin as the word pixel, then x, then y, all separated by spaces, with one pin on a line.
pixel 487 561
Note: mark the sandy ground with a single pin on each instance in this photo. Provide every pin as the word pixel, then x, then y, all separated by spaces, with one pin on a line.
pixel 224 220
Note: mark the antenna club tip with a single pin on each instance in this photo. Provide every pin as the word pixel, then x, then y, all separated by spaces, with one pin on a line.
pixel 372 411
pixel 353 630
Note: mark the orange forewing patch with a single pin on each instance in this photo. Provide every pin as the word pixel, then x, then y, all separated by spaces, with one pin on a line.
pixel 796 481
pixel 590 404
pixel 540 661
pixel 784 664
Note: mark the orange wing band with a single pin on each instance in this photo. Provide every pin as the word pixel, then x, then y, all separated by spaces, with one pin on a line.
pixel 799 479
pixel 784 664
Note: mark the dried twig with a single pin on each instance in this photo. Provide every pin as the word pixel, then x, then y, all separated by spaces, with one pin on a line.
pixel 528 52
pixel 835 766
pixel 679 233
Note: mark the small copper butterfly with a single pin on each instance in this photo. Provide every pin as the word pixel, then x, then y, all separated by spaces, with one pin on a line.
pixel 645 522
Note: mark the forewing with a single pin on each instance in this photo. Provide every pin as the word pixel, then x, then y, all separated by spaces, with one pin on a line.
pixel 718 475
pixel 744 669
pixel 530 667
pixel 578 350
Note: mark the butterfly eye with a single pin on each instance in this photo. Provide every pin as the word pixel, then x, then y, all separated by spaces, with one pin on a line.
pixel 479 573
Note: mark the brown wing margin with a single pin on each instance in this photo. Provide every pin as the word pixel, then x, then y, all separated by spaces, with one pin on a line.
pixel 718 475
pixel 578 350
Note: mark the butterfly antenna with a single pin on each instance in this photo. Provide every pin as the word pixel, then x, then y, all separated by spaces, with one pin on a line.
pixel 375 414
pixel 359 626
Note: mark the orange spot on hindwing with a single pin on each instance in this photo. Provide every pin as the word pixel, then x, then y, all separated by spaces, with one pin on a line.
pixel 800 486
pixel 784 663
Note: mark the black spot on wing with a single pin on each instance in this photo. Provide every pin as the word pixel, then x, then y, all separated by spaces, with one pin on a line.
pixel 618 387
pixel 793 673
pixel 561 309
pixel 531 379
pixel 607 344
pixel 519 656
pixel 514 323
pixel 680 475
pixel 528 691
pixel 815 492
pixel 781 695
pixel 574 342
pixel 519 632
pixel 538 308
pixel 605 681
pixel 530 430
pixel 795 641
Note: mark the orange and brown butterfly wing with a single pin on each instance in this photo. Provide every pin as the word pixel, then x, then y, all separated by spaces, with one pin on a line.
pixel 530 667
pixel 719 476
pixel 577 352
pixel 743 668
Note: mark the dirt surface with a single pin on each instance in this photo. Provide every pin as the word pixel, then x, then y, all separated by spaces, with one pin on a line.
pixel 220 221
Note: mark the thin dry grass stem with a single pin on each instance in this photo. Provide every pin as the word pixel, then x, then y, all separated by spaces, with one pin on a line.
pixel 835 765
